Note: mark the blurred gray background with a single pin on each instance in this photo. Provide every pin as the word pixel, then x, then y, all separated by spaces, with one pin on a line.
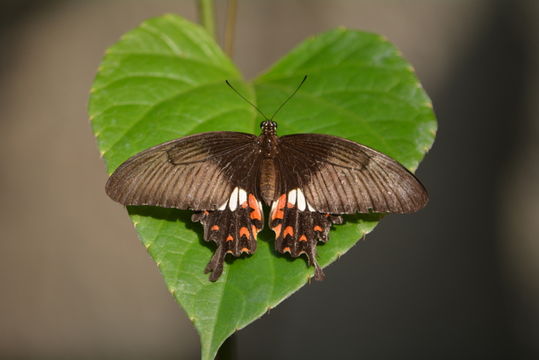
pixel 459 280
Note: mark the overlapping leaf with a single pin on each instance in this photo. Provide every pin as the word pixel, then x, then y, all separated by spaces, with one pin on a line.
pixel 165 79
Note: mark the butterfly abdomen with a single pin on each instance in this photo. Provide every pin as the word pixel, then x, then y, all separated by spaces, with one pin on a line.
pixel 268 180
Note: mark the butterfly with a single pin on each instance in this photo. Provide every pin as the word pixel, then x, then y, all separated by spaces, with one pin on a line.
pixel 307 180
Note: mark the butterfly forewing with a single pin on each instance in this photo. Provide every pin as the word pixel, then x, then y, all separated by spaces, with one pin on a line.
pixel 339 176
pixel 196 172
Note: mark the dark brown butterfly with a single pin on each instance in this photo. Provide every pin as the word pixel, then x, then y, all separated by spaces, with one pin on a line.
pixel 308 180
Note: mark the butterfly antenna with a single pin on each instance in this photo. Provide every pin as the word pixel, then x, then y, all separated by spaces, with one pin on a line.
pixel 244 98
pixel 289 97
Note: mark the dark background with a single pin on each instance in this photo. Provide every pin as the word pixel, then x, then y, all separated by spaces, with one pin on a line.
pixel 459 280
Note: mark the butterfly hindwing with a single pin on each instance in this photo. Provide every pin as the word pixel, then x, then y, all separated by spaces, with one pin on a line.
pixel 298 227
pixel 233 228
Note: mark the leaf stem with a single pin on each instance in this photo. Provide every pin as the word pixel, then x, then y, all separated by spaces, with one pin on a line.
pixel 206 16
pixel 227 351
pixel 230 27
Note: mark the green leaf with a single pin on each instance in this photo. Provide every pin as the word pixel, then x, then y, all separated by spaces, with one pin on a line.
pixel 165 79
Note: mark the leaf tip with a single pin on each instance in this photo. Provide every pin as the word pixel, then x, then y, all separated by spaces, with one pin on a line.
pixel 170 16
pixel 383 38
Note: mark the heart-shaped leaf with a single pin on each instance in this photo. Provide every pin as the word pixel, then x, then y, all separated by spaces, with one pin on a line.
pixel 165 79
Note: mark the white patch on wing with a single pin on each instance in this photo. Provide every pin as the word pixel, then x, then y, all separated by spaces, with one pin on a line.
pixel 302 203
pixel 292 197
pixel 233 202
pixel 222 207
pixel 242 196
pixel 310 207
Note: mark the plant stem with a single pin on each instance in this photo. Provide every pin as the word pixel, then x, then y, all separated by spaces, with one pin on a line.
pixel 227 351
pixel 230 26
pixel 206 16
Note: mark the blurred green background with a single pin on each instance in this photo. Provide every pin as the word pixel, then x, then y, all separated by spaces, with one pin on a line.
pixel 459 280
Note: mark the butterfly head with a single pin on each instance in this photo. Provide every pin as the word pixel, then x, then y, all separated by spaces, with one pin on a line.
pixel 268 127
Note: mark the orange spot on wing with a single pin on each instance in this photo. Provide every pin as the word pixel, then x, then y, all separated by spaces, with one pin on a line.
pixel 317 228
pixel 289 230
pixel 229 238
pixel 286 249
pixel 254 229
pixel 215 227
pixel 290 205
pixel 277 230
pixel 279 213
pixel 206 212
pixel 245 250
pixel 244 231
pixel 303 238
pixel 244 204
pixel 253 204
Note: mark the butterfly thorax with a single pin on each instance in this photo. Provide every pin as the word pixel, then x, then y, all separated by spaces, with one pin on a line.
pixel 268 139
